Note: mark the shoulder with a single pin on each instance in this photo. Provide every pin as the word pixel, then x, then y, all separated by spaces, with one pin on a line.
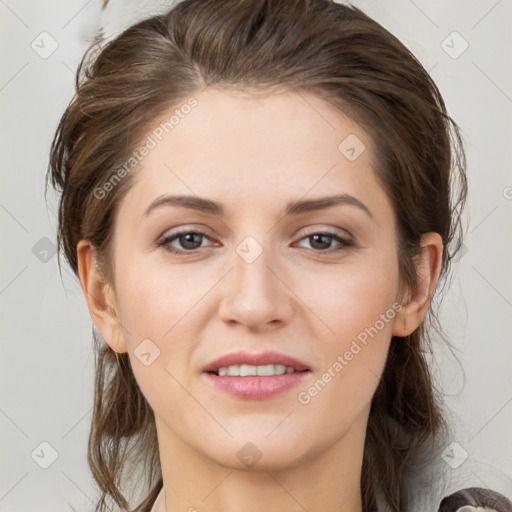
pixel 466 500
pixel 443 486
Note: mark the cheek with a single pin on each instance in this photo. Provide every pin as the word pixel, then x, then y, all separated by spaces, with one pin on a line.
pixel 359 308
pixel 162 304
pixel 153 299
pixel 351 298
pixel 155 311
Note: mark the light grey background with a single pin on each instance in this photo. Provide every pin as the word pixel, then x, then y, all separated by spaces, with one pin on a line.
pixel 46 363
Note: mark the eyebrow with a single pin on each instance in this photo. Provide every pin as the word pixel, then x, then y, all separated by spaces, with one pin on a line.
pixel 292 208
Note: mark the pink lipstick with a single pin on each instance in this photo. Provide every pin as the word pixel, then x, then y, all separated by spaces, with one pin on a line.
pixel 255 376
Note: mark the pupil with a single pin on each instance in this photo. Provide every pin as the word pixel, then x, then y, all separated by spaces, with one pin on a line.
pixel 325 243
pixel 189 239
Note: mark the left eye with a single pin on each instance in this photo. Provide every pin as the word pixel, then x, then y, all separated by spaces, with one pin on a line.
pixel 321 240
pixel 192 240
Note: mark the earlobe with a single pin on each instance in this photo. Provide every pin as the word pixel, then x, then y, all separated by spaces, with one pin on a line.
pixel 428 268
pixel 100 297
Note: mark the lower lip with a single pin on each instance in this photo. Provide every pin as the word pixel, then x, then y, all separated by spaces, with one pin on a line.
pixel 256 388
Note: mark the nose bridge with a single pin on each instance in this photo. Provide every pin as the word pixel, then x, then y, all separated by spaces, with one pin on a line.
pixel 251 267
pixel 254 295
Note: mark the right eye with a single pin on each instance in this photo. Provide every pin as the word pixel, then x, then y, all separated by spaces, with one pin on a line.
pixel 189 241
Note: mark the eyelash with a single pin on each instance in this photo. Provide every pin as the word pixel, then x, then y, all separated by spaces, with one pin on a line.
pixel 165 242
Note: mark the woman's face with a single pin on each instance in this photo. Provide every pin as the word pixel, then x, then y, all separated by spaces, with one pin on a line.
pixel 264 269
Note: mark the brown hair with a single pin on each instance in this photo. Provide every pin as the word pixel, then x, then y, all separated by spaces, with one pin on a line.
pixel 343 56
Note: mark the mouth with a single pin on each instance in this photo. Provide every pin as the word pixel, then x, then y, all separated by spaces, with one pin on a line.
pixel 246 364
pixel 255 376
pixel 248 370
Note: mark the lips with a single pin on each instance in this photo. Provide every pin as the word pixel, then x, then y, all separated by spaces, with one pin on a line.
pixel 255 376
pixel 261 359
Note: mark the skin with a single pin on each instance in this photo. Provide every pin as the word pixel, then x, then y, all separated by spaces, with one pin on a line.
pixel 254 154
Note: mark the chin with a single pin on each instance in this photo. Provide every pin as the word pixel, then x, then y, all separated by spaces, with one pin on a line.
pixel 260 454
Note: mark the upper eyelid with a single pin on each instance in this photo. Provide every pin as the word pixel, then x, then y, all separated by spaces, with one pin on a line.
pixel 201 231
pixel 339 232
pixel 205 229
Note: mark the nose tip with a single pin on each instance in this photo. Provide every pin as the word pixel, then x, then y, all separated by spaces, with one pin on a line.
pixel 253 296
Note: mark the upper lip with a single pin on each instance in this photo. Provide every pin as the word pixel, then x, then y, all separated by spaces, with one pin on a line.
pixel 261 359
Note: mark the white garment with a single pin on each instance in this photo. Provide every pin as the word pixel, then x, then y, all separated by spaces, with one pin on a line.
pixel 439 480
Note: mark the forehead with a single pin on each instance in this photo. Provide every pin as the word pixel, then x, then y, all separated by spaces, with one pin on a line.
pixel 256 149
pixel 245 120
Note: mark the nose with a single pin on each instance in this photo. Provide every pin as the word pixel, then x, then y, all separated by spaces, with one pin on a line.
pixel 255 296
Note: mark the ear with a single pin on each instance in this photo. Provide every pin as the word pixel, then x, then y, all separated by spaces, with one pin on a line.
pixel 428 269
pixel 100 297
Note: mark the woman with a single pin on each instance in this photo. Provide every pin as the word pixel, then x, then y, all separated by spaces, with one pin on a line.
pixel 260 199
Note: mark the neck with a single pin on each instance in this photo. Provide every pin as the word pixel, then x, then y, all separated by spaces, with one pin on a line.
pixel 328 481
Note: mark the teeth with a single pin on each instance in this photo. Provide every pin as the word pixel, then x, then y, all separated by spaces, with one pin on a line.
pixel 245 370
